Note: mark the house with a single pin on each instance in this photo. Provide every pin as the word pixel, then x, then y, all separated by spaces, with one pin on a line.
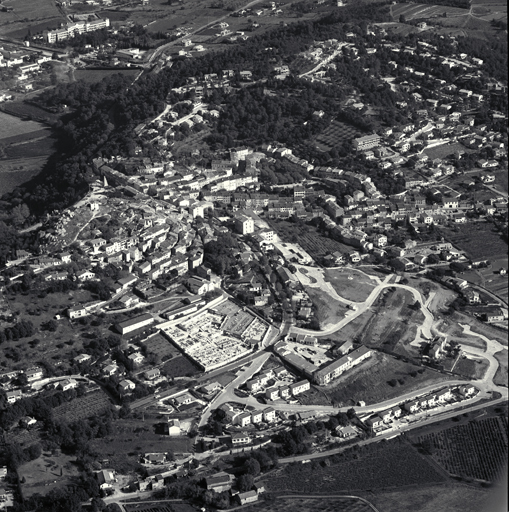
pixel 174 427
pixel 68 384
pixel 467 390
pixel 395 411
pixel 136 358
pixel 13 396
pixel 256 417
pixel 269 414
pixel 346 432
pixel 247 497
pixel 152 374
pixel 412 406
pixel 110 369
pixel 272 393
pixel 27 421
pixel 154 458
pixel 240 438
pixel 284 391
pixel 493 315
pixel 82 358
pixel 219 482
pixel 126 385
pixel 243 419
pixel 210 388
pixel 135 323
pixel 34 374
pixel 106 476
pixel 444 395
pixel 374 422
pixel 183 399
pixel 254 385
pixel 299 387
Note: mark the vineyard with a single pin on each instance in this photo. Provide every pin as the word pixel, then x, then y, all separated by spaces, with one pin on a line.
pixel 475 450
pixel 335 134
pixel 377 467
pixel 162 507
pixel 83 407
pixel 320 504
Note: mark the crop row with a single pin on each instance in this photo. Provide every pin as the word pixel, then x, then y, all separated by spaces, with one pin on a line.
pixel 83 407
pixel 476 450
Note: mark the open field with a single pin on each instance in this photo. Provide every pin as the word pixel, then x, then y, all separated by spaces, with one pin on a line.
pixel 160 507
pixel 501 377
pixel 328 310
pixel 445 150
pixel 395 323
pixel 352 330
pixel 27 111
pixel 96 75
pixel 476 450
pixel 370 381
pixel 36 14
pixel 434 498
pixel 479 240
pixel 18 171
pixel 322 504
pixel 471 368
pixel 380 466
pixel 41 147
pixel 335 135
pixel 350 284
pixel 46 473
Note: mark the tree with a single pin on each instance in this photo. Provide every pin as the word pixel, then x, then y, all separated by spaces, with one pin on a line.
pixel 245 482
pixel 20 214
pixel 252 467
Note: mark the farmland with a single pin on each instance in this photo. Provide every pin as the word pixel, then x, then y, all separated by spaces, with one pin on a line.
pixel 335 135
pixel 380 466
pixel 471 368
pixel 318 504
pixel 180 366
pixel 381 377
pixel 83 407
pixel 477 240
pixel 433 498
pixel 350 284
pixel 501 376
pixel 425 11
pixel 11 126
pixel 36 14
pixel 160 507
pixel 476 450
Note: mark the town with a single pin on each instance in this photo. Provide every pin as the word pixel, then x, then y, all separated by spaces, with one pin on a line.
pixel 242 294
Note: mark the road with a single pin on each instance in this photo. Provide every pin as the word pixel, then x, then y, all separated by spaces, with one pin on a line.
pixel 228 395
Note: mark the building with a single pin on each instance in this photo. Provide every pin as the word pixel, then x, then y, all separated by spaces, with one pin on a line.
pixel 243 419
pixel 247 497
pixel 134 324
pixel 33 374
pixel 152 374
pixel 70 31
pixel 240 439
pixel 269 414
pixel 366 142
pixel 244 224
pixel 299 387
pixel 336 368
pixel 272 393
pixel 126 385
pixel 13 396
pixel 219 482
pixel 68 384
pixel 173 427
pixel 256 417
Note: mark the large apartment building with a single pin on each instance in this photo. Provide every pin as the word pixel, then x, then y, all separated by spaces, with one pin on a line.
pixel 70 31
pixel 366 142
pixel 336 368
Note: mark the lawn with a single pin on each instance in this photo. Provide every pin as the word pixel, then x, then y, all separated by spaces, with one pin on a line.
pixel 371 380
pixel 350 284
pixel 329 311
pixel 46 473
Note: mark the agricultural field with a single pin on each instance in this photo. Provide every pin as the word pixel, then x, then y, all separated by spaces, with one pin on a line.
pixel 477 240
pixel 433 498
pixel 12 126
pixel 335 135
pixel 161 507
pixel 16 172
pixel 446 150
pixel 96 75
pixel 329 311
pixel 425 11
pixel 350 284
pixel 471 368
pixel 30 112
pixel 381 377
pixel 380 466
pixel 476 450
pixel 395 323
pixel 501 376
pixel 82 407
pixel 318 504
pixel 34 14
pixel 46 473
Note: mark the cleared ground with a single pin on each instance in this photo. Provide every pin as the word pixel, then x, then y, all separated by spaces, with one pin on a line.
pixel 316 505
pixel 38 14
pixel 501 377
pixel 350 284
pixel 329 311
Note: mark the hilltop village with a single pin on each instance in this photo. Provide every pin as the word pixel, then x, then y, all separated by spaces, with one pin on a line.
pixel 204 315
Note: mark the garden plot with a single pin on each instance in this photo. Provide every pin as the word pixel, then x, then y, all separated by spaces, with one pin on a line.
pixel 335 135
